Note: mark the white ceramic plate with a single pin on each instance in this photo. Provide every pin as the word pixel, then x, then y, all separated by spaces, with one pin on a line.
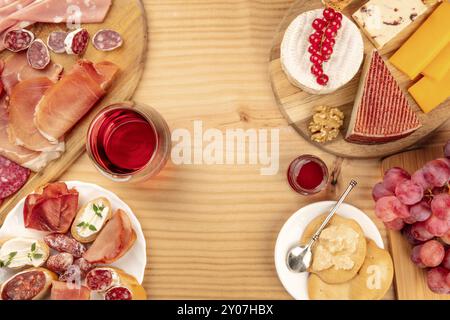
pixel 296 284
pixel 133 262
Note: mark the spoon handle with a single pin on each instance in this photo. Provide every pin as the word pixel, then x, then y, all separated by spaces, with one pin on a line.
pixel 350 187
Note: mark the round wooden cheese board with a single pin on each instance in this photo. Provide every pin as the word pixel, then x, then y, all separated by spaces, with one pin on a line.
pixel 297 106
pixel 129 19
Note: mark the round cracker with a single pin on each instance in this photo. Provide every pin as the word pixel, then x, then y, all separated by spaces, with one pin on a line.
pixel 372 282
pixel 333 275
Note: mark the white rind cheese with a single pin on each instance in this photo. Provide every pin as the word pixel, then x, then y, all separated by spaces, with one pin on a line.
pixel 17 253
pixel 348 54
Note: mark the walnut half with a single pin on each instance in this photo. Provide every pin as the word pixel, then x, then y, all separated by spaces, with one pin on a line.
pixel 325 123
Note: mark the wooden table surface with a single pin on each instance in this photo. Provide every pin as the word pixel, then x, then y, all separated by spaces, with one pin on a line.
pixel 211 230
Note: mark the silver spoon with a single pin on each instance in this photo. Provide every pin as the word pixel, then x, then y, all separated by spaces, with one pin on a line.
pixel 299 258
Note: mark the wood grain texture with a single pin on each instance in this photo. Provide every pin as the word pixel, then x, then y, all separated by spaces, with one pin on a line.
pixel 128 18
pixel 409 279
pixel 297 106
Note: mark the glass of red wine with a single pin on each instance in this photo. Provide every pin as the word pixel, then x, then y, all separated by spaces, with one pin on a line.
pixel 129 142
pixel 308 175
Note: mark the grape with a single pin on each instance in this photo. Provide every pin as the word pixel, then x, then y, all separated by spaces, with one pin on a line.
pixel 437 280
pixel 436 226
pixel 406 231
pixel 393 177
pixel 446 238
pixel 419 178
pixel 408 192
pixel 446 261
pixel 380 191
pixel 440 205
pixel 432 253
pixel 415 256
pixel 390 208
pixel 419 212
pixel 396 224
pixel 447 150
pixel 420 233
pixel 436 173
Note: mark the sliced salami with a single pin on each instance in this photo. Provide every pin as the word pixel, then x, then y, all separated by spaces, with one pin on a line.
pixel 24 286
pixel 107 40
pixel 12 177
pixel 55 41
pixel 118 293
pixel 99 280
pixel 18 40
pixel 38 55
pixel 77 41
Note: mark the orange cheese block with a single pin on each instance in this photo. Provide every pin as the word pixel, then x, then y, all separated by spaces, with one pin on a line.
pixel 425 44
pixel 439 67
pixel 429 93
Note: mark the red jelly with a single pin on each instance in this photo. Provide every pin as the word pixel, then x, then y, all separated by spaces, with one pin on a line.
pixel 308 175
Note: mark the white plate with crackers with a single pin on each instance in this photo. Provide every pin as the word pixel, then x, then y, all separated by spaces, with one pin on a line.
pixel 296 284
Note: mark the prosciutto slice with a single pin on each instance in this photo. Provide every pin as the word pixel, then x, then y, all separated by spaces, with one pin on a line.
pixel 22 104
pixel 66 102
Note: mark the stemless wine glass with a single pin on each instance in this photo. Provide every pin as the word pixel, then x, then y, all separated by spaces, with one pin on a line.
pixel 308 175
pixel 128 142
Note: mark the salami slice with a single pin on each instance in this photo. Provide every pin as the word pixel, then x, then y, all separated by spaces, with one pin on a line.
pixel 12 177
pixel 38 55
pixel 99 280
pixel 18 40
pixel 24 286
pixel 118 293
pixel 55 41
pixel 107 40
pixel 77 41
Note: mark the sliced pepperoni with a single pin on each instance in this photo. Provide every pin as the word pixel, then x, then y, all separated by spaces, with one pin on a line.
pixel 55 41
pixel 24 286
pixel 77 41
pixel 99 279
pixel 63 243
pixel 38 55
pixel 18 40
pixel 107 40
pixel 12 177
pixel 118 293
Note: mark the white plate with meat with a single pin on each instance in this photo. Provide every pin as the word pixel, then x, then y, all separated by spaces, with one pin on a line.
pixel 132 260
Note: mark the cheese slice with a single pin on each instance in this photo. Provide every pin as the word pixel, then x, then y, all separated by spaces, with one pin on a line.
pixel 440 66
pixel 348 53
pixel 429 94
pixel 425 44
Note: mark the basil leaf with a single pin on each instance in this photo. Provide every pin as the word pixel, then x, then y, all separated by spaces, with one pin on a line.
pixel 81 224
pixel 33 247
pixel 37 256
pixel 12 255
pixel 94 206
pixel 2 264
pixel 92 228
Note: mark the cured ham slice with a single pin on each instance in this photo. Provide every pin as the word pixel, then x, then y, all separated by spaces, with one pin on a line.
pixel 113 241
pixel 66 102
pixel 64 291
pixel 380 118
pixel 53 210
pixel 22 104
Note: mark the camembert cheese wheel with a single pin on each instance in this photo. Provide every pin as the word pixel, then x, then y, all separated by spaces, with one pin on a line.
pixel 348 53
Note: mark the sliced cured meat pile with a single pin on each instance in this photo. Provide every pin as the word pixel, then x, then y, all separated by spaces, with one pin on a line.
pixel 380 118
pixel 115 239
pixel 12 177
pixel 66 102
pixel 52 210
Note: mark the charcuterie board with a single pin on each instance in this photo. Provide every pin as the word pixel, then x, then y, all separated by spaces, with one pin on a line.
pixel 410 281
pixel 129 19
pixel 297 106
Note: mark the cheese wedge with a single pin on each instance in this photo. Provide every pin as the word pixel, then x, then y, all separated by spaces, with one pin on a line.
pixel 440 66
pixel 429 94
pixel 425 44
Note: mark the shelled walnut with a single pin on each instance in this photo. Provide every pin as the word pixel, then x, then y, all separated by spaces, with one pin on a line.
pixel 325 123
pixel 337 4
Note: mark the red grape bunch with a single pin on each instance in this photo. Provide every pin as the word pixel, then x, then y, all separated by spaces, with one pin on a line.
pixel 419 206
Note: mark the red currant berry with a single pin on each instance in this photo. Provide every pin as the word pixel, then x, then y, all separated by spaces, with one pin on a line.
pixel 336 25
pixel 312 50
pixel 326 57
pixel 329 41
pixel 318 24
pixel 312 38
pixel 316 59
pixel 322 79
pixel 329 14
pixel 338 16
pixel 314 41
pixel 316 70
pixel 327 50
pixel 330 33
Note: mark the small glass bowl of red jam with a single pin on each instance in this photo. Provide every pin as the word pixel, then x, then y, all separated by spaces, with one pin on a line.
pixel 308 175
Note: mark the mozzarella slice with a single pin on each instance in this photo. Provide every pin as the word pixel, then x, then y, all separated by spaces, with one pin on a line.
pixel 343 65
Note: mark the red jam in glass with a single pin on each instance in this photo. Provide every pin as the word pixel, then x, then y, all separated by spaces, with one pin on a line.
pixel 308 175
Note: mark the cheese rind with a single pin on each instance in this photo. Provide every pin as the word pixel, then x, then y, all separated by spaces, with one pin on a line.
pixel 440 66
pixel 383 20
pixel 429 94
pixel 425 44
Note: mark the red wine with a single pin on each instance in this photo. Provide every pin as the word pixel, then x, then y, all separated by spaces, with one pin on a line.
pixel 307 175
pixel 122 141
pixel 310 175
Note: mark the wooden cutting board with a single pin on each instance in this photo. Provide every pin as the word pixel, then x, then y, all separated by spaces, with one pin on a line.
pixel 410 281
pixel 126 17
pixel 297 106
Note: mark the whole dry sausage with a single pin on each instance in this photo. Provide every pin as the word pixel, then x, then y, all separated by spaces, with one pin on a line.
pixel 63 243
pixel 60 262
